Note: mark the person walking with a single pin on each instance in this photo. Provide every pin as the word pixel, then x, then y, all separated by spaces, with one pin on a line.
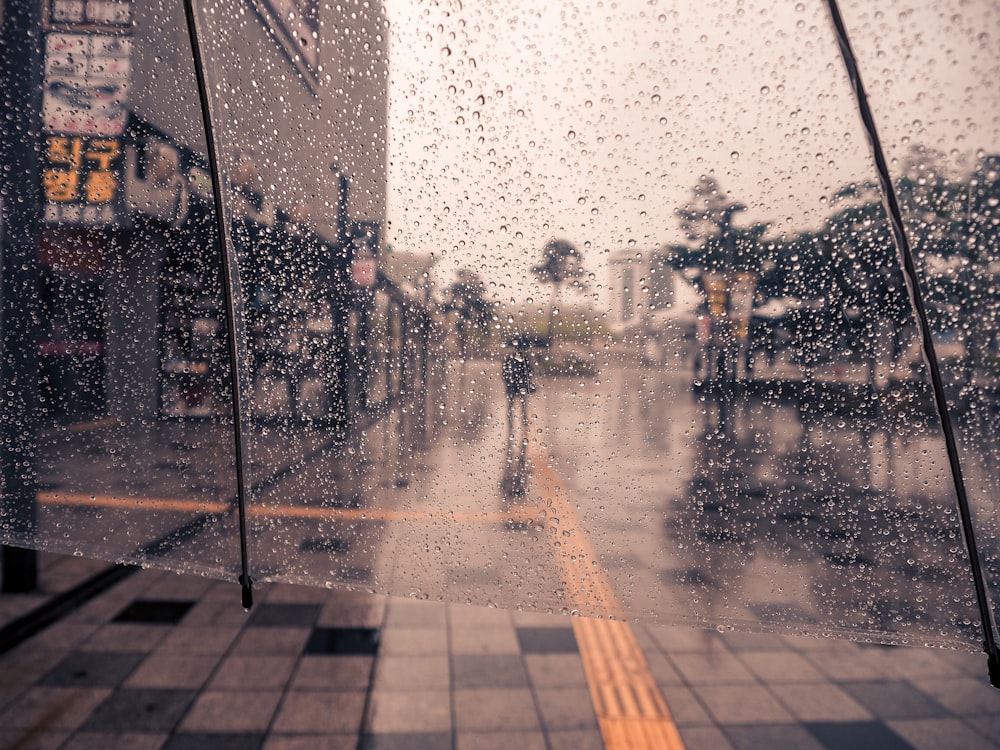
pixel 518 382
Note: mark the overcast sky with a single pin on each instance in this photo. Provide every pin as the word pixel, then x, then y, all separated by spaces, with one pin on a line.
pixel 514 122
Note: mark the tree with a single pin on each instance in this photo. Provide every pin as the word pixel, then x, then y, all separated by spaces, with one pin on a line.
pixel 714 244
pixel 465 298
pixel 561 262
pixel 729 261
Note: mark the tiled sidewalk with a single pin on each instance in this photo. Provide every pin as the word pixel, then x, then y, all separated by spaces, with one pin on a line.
pixel 748 691
pixel 172 661
pixel 167 661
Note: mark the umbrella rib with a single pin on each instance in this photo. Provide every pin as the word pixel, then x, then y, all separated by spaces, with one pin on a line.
pixel 228 285
pixel 905 254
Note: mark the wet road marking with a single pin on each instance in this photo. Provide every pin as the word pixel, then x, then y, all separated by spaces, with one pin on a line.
pixel 630 708
pixel 527 514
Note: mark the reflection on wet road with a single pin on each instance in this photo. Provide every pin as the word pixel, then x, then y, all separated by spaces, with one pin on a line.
pixel 629 494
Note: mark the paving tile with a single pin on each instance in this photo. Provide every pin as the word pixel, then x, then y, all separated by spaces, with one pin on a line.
pixel 211 611
pixel 63 635
pixel 964 696
pixel 29 739
pixel 742 704
pixel 253 672
pixel 965 660
pixel 350 608
pixel 407 614
pixel 779 736
pixel 271 641
pixel 175 671
pixel 575 740
pixel 130 710
pixel 126 637
pixel 115 741
pixel 894 700
pixel 231 711
pixel 155 611
pixel 675 640
pixel 399 711
pixel 555 670
pixel 413 641
pixel 547 640
pixel 332 673
pixel 506 741
pixel 284 615
pixel 214 741
pixel 343 640
pixel 780 666
pixel 642 637
pixel 848 665
pixel 740 642
pixel 11 608
pixel 864 735
pixel 986 724
pixel 660 667
pixel 488 670
pixel 708 738
pixel 27 665
pixel 711 668
pixel 407 741
pixel 287 593
pixel 941 733
pixel 320 711
pixel 45 708
pixel 185 587
pixel 566 708
pixel 921 662
pixel 818 644
pixel 21 670
pixel 220 591
pixel 819 702
pixel 484 641
pixel 468 616
pixel 10 693
pixel 685 707
pixel 92 669
pixel 105 607
pixel 412 673
pixel 492 709
pixel 213 641
pixel 310 742
pixel 527 619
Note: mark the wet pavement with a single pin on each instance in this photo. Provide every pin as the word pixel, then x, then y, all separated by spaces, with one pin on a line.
pixel 172 661
pixel 628 492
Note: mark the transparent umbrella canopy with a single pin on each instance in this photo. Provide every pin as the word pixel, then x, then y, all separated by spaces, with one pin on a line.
pixel 657 312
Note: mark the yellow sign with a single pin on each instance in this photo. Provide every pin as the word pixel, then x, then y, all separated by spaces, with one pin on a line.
pixel 80 175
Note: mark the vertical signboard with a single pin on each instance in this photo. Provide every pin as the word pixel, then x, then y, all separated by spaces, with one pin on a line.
pixel 88 66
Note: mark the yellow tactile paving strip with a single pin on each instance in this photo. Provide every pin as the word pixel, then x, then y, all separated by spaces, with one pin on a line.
pixel 630 708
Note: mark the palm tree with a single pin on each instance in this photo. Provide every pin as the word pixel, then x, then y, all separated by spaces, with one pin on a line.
pixel 561 262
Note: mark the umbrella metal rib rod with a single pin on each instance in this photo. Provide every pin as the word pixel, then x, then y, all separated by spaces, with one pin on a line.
pixel 228 285
pixel 895 215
